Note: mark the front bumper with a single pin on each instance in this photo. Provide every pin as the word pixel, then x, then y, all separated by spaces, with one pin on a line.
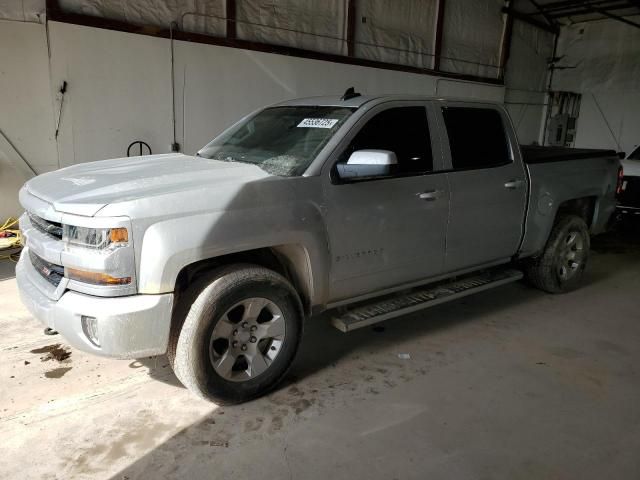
pixel 133 326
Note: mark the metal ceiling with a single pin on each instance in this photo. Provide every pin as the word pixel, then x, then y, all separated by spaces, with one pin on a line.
pixel 555 13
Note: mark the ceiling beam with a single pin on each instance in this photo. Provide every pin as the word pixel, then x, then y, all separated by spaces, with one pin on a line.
pixel 530 20
pixel 571 4
pixel 543 13
pixel 231 18
pixel 616 17
pixel 437 44
pixel 505 48
pixel 586 9
pixel 351 27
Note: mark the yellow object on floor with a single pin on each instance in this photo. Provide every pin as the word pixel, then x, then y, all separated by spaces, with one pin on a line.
pixel 12 242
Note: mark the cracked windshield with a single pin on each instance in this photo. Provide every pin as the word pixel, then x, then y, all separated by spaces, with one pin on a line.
pixel 281 140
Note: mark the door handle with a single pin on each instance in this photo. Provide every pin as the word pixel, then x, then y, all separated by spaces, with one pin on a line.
pixel 430 195
pixel 513 184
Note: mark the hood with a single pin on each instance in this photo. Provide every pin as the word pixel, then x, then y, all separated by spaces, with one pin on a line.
pixel 631 168
pixel 86 188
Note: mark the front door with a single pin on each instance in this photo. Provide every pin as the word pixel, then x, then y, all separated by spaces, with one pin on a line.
pixel 387 231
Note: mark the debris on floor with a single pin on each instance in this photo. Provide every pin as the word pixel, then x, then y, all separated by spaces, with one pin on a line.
pixel 53 352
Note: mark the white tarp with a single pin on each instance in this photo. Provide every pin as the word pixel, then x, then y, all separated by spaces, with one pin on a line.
pixel 530 53
pixel 396 32
pixel 195 16
pixel 399 32
pixel 472 37
pixel 601 55
pixel 22 10
pixel 306 24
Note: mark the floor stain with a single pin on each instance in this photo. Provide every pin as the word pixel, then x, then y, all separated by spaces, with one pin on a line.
pixel 53 352
pixel 277 420
pixel 57 372
pixel 253 425
pixel 301 405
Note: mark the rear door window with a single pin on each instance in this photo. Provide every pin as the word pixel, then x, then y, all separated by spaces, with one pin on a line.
pixel 477 137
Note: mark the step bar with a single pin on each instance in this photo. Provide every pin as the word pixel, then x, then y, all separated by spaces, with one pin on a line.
pixel 421 298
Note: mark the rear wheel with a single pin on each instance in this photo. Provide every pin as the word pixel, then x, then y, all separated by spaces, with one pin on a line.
pixel 561 266
pixel 239 336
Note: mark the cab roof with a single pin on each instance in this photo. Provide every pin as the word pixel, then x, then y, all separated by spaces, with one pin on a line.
pixel 358 101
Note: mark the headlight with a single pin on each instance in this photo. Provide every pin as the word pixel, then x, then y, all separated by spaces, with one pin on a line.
pixel 98 238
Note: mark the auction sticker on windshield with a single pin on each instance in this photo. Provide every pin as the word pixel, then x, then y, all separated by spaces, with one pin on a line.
pixel 318 123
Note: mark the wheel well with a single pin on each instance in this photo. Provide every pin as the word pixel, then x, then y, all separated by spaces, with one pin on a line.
pixel 583 207
pixel 284 260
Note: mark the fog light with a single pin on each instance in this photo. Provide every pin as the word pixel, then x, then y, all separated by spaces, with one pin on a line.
pixel 90 329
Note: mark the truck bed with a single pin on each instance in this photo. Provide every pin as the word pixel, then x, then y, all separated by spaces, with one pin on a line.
pixel 537 154
pixel 555 178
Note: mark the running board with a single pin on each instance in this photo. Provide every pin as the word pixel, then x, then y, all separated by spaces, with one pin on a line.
pixel 418 299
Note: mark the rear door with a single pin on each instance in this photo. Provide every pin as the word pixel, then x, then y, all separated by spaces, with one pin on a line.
pixel 488 185
pixel 387 231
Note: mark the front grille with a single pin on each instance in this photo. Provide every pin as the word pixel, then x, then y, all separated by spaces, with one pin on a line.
pixel 51 272
pixel 45 226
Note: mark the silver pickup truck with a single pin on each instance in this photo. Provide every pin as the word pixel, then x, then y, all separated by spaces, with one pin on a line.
pixel 371 207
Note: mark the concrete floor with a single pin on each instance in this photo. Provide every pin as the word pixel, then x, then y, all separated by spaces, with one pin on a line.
pixel 508 384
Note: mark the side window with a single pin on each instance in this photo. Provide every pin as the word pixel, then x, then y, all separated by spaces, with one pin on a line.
pixel 477 137
pixel 402 130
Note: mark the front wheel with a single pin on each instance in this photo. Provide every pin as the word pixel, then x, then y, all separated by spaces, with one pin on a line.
pixel 561 266
pixel 239 337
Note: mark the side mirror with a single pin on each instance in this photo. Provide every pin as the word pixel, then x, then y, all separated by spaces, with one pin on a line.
pixel 368 163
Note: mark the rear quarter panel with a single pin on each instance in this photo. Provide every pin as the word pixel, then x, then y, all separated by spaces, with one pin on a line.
pixel 552 184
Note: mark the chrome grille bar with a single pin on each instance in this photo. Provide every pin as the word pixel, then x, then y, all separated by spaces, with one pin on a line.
pixel 51 272
pixel 45 226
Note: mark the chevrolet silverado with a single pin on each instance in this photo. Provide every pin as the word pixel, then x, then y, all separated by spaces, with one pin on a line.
pixel 371 207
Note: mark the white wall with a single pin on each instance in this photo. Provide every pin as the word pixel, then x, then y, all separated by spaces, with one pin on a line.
pixel 26 108
pixel 605 61
pixel 119 88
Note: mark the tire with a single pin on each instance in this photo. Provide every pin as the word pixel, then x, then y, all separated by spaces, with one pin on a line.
pixel 240 332
pixel 561 266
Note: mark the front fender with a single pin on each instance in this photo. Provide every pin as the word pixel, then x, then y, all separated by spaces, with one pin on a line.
pixel 170 245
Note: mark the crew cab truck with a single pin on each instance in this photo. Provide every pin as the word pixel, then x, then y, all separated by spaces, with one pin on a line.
pixel 370 206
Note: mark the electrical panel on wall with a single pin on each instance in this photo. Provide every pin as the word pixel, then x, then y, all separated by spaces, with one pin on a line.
pixel 564 108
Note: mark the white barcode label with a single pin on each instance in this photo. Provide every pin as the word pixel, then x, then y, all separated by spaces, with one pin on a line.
pixel 318 123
